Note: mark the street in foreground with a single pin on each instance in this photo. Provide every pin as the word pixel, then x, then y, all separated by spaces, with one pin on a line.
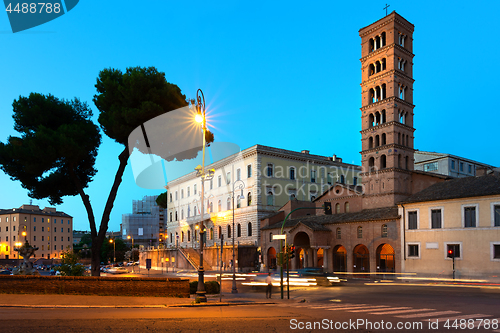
pixel 348 308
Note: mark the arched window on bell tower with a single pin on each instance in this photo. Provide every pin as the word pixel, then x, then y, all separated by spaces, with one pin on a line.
pixel 370 142
pixel 377 141
pixel 371 164
pixel 370 120
pixel 383 139
pixel 383 162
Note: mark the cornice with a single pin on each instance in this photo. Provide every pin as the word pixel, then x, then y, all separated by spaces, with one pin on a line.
pixel 393 123
pixel 395 72
pixel 387 100
pixel 386 48
pixel 385 147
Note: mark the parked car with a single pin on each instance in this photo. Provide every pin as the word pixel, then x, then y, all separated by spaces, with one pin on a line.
pixel 117 270
pixel 5 272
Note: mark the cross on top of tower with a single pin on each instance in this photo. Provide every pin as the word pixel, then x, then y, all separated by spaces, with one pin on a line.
pixel 386 6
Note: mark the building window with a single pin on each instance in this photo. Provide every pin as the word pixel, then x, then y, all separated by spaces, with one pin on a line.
pixel 342 179
pixel 339 233
pixel 170 216
pixel 384 230
pixel 270 198
pixel 270 236
pixel 189 211
pixel 431 166
pixel 269 170
pixel 228 178
pixel 313 176
pixel 249 229
pixel 436 219
pixel 337 208
pixel 220 232
pixel 238 202
pixel 495 251
pixel 360 232
pixel 182 193
pixel 211 233
pixel 211 183
pixel 238 174
pixel 194 189
pixel 194 211
pixel 249 198
pixel 455 248
pixel 461 166
pixel 413 250
pixel 211 207
pixel 188 191
pixel 175 195
pixel 470 168
pixel 346 207
pixel 355 181
pixel 292 173
pixel 249 171
pixel 228 203
pixel 219 181
pixel 34 238
pixel 329 178
pixel 176 215
pixel 452 164
pixel 34 228
pixel 219 204
pixel 412 220
pixel 496 215
pixel 182 214
pixel 238 230
pixel 470 217
pixel 189 235
pixel 228 231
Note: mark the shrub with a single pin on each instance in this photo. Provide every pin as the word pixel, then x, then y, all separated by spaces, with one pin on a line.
pixel 211 287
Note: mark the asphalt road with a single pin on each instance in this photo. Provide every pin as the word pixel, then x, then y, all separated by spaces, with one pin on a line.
pixel 354 307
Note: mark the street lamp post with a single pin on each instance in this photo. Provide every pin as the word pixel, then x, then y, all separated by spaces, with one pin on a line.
pixel 201 118
pixel 111 240
pixel 240 186
pixel 132 252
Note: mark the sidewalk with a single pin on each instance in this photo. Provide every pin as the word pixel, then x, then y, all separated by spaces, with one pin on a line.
pixel 84 301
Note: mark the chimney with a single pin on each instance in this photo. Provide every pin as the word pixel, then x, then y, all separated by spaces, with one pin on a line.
pixel 305 152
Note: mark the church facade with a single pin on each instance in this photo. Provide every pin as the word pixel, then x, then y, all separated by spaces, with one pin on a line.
pixel 363 234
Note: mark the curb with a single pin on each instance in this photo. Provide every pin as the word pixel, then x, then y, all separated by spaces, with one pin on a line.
pixel 46 306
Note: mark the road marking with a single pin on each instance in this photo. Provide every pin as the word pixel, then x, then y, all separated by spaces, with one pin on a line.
pixel 400 311
pixel 428 314
pixel 320 307
pixel 373 308
pixel 462 317
pixel 354 307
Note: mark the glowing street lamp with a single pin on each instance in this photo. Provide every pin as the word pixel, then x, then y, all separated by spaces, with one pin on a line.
pixel 111 240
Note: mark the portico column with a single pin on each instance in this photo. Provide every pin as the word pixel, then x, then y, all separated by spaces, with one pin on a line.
pixel 306 256
pixel 326 259
pixel 315 257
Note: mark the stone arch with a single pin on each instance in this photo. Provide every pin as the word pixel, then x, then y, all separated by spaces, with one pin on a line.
pixel 385 258
pixel 361 259
pixel 271 258
pixel 302 242
pixel 339 259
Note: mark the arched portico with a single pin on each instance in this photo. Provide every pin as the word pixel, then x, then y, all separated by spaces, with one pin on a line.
pixel 302 244
pixel 271 258
pixel 385 258
pixel 361 259
pixel 339 259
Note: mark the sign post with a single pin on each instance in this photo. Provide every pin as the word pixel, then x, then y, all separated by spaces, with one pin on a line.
pixel 148 265
pixel 281 238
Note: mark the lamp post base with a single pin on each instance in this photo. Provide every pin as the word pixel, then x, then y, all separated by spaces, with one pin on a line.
pixel 234 289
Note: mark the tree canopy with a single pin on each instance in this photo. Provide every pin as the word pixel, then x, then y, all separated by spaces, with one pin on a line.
pixel 161 200
pixel 57 140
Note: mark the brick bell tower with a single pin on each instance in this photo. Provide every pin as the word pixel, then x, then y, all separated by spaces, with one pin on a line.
pixel 387 110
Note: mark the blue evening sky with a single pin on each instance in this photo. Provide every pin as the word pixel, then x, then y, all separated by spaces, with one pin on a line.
pixel 284 74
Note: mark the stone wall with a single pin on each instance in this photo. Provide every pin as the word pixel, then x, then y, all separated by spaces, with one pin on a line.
pixel 91 285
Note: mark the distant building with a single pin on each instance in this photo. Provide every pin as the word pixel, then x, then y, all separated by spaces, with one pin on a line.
pixel 77 236
pixel 446 164
pixel 145 224
pixel 49 230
